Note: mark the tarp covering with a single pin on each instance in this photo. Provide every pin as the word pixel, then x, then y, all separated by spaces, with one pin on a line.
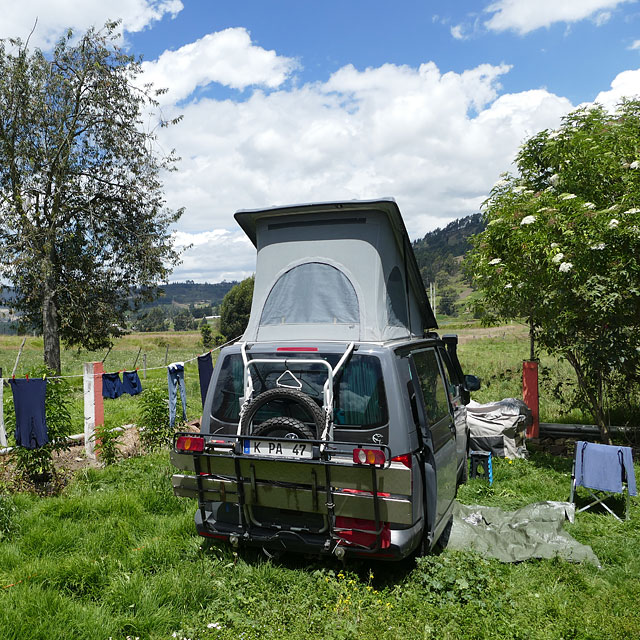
pixel 498 427
pixel 334 271
pixel 534 531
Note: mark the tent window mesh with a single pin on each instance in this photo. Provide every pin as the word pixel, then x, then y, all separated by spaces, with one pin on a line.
pixel 396 300
pixel 312 293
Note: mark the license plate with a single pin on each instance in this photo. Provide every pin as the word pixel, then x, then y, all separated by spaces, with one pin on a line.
pixel 279 449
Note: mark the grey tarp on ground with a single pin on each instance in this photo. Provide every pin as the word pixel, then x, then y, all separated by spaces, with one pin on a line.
pixel 534 531
pixel 342 271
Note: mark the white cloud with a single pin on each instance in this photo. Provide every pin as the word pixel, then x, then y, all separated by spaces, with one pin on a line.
pixel 635 46
pixel 625 84
pixel 524 16
pixel 214 256
pixel 457 31
pixel 435 141
pixel 227 57
pixel 56 16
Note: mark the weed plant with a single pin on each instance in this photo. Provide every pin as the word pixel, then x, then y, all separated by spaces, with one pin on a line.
pixel 153 419
pixel 107 441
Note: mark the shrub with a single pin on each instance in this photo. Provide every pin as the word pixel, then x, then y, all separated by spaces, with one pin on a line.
pixel 153 421
pixel 107 441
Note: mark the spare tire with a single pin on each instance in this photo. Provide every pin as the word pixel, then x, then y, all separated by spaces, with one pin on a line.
pixel 284 427
pixel 316 414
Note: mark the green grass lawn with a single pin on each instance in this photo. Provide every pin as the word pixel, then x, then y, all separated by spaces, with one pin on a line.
pixel 116 555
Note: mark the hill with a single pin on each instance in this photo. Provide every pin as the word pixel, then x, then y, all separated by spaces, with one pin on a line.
pixel 192 293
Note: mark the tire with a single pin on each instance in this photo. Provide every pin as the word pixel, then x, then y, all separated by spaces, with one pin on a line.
pixel 284 427
pixel 315 413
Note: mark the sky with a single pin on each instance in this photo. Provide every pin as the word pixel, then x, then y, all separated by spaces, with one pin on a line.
pixel 287 101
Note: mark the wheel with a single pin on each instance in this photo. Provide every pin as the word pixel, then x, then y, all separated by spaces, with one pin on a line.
pixel 315 413
pixel 284 427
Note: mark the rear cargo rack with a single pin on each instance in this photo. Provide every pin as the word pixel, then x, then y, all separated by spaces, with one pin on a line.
pixel 321 478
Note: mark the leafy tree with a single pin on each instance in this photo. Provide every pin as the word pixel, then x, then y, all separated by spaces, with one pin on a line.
pixel 236 308
pixel 447 302
pixel 183 321
pixel 154 320
pixel 84 220
pixel 207 335
pixel 562 247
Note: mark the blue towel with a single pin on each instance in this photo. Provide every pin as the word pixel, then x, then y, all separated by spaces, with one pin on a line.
pixel 603 467
pixel 111 385
pixel 31 423
pixel 205 370
pixel 131 382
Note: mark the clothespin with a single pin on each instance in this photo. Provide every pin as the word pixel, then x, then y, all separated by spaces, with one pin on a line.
pixel 27 376
pixel 44 376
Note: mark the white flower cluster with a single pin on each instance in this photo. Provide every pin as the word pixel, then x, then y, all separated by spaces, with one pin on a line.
pixel 598 247
pixel 565 266
pixel 554 180
pixel 508 285
pixel 528 220
pixel 634 210
pixel 613 223
pixel 494 221
pixel 495 261
pixel 589 205
pixel 568 196
pixel 557 258
pixel 635 165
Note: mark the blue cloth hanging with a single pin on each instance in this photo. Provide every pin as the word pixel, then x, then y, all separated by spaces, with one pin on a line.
pixel 205 371
pixel 111 385
pixel 31 422
pixel 175 378
pixel 131 383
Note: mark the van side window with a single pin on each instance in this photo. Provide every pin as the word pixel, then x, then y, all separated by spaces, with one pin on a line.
pixel 433 390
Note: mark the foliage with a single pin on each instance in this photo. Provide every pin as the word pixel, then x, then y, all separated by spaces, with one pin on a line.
pixel 207 335
pixel 84 219
pixel 153 419
pixel 8 512
pixel 153 320
pixel 236 308
pixel 38 463
pixel 562 247
pixel 184 321
pixel 107 441
pixel 447 302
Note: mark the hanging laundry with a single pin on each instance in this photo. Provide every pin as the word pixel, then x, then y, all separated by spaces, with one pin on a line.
pixel 205 370
pixel 111 385
pixel 31 423
pixel 131 383
pixel 175 377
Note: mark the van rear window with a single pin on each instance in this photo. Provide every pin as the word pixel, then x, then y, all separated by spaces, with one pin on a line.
pixel 359 394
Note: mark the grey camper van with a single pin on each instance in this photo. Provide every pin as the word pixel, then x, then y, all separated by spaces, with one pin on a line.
pixel 337 423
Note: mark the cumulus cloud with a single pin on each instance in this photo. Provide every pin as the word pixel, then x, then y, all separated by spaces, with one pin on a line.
pixel 214 256
pixel 524 16
pixel 435 141
pixel 54 17
pixel 625 84
pixel 227 57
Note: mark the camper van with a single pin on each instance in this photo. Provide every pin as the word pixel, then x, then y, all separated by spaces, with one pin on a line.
pixel 337 423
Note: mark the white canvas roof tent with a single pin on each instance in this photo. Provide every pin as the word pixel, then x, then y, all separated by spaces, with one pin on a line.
pixel 337 271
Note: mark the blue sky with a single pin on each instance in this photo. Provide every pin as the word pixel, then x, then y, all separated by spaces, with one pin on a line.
pixel 288 101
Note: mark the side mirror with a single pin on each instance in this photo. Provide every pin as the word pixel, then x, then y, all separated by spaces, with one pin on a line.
pixel 471 383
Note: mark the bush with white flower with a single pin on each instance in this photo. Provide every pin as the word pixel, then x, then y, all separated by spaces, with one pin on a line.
pixel 583 301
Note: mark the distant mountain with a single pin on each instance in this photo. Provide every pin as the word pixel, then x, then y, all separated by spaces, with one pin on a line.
pixel 441 249
pixel 189 292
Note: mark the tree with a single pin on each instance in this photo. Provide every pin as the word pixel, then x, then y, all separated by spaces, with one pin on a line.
pixel 85 228
pixel 207 335
pixel 183 321
pixel 236 308
pixel 562 247
pixel 447 302
pixel 154 320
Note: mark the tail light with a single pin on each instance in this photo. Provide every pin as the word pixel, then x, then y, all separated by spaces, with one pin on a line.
pixel 369 456
pixel 192 444
pixel 405 459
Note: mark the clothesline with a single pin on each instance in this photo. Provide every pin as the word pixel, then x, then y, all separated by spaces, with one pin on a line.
pixel 80 375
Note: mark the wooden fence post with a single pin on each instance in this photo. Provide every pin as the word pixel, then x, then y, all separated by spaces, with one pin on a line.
pixel 530 395
pixel 3 433
pixel 93 404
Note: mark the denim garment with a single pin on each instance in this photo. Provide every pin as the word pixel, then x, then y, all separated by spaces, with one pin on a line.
pixel 31 423
pixel 111 385
pixel 131 383
pixel 205 370
pixel 175 377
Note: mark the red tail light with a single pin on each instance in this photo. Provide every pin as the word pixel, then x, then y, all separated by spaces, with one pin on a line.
pixel 190 444
pixel 368 456
pixel 405 459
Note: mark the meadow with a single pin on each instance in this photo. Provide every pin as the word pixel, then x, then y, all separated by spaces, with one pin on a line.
pixel 115 555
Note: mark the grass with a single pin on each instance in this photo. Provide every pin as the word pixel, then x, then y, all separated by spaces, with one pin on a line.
pixel 117 555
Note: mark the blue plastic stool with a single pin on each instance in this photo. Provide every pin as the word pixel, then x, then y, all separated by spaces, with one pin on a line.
pixel 481 460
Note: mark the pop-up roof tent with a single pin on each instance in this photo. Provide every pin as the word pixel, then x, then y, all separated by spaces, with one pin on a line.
pixel 340 271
